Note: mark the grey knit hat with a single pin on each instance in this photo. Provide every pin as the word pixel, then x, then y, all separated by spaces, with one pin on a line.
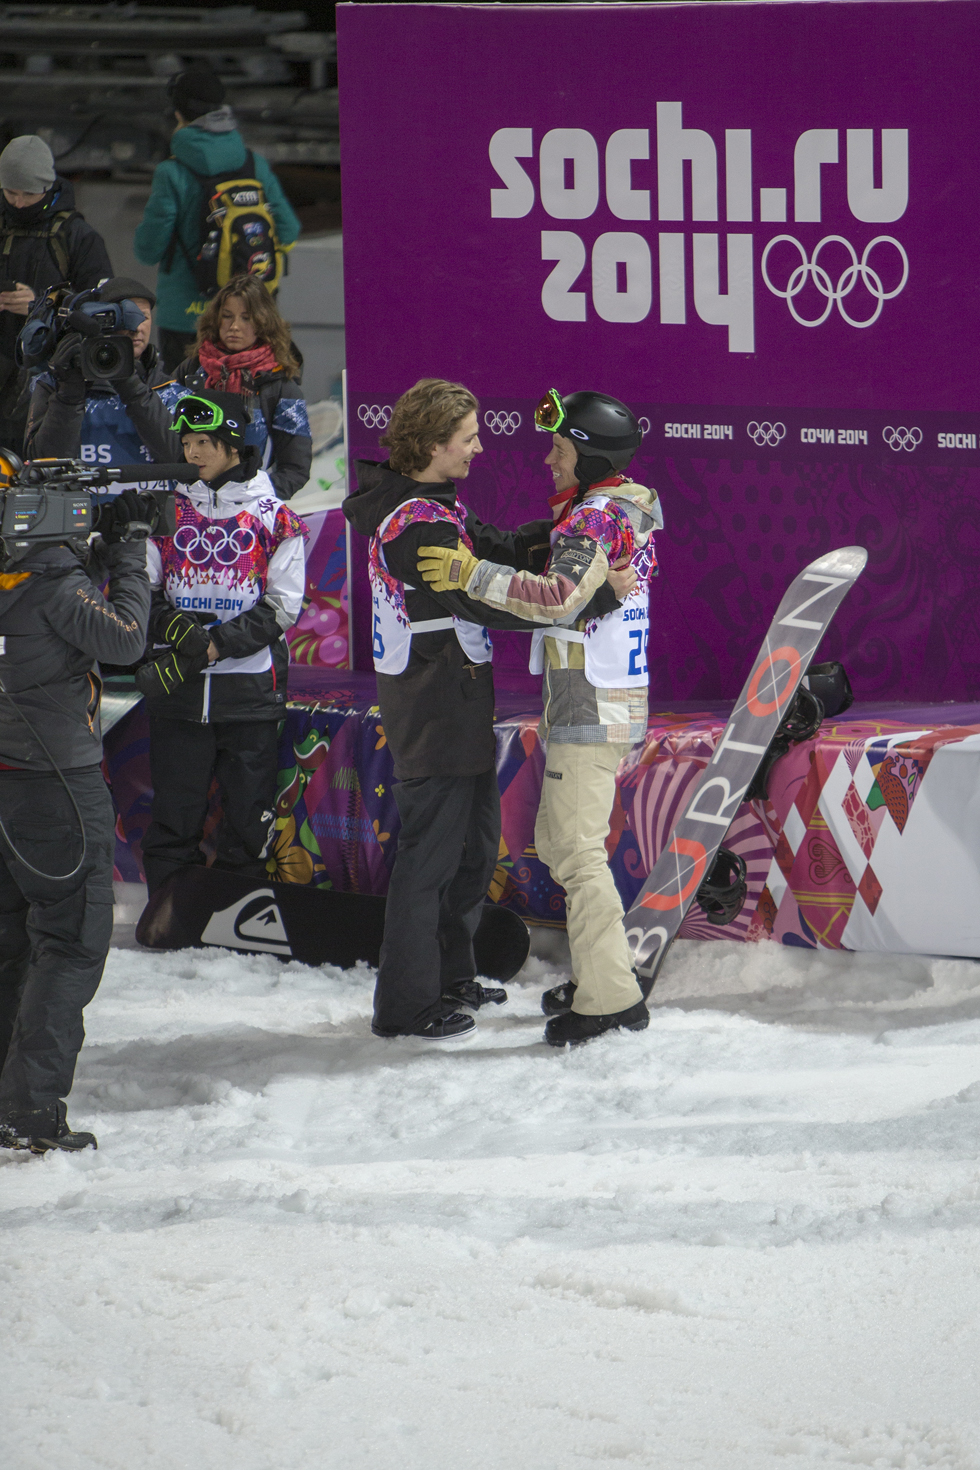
pixel 27 164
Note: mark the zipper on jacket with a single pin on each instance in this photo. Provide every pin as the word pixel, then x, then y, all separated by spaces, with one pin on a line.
pixel 206 703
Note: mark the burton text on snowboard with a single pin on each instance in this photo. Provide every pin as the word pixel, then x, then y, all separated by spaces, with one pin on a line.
pixel 801 620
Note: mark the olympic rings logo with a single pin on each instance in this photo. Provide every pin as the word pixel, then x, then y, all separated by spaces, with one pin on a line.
pixel 374 415
pixel 902 438
pixel 766 433
pixel 214 543
pixel 848 279
pixel 502 423
pixel 645 426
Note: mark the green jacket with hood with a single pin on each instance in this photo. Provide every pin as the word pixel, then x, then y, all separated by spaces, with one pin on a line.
pixel 210 145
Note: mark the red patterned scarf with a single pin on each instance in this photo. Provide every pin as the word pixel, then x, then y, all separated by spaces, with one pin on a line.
pixel 234 371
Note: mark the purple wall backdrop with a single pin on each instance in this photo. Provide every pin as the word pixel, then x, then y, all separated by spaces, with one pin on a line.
pixel 653 201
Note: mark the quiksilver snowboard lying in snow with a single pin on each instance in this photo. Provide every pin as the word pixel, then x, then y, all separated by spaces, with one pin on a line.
pixel 202 906
pixel 801 620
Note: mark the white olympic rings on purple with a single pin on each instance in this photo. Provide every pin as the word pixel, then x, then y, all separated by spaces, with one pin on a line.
pixel 214 543
pixel 845 285
pixel 902 438
pixel 374 415
pixel 502 423
pixel 645 426
pixel 770 434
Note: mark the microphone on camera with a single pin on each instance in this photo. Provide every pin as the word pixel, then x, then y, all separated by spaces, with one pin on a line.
pixel 82 322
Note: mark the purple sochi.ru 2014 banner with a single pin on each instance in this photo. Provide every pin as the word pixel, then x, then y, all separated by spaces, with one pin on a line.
pixel 756 224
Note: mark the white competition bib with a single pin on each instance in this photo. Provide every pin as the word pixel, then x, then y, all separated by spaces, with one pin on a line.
pixel 616 645
pixel 392 630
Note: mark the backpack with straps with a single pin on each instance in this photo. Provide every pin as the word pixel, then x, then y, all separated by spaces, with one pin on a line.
pixel 237 232
pixel 51 232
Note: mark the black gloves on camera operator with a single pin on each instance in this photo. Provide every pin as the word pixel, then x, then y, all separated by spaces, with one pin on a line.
pixel 131 516
pixel 187 654
pixel 65 363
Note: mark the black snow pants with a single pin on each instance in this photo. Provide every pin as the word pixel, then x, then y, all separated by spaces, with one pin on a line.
pixel 447 851
pixel 54 936
pixel 184 757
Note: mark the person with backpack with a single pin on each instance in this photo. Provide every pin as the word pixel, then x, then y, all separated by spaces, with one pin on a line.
pixel 43 241
pixel 244 346
pixel 201 231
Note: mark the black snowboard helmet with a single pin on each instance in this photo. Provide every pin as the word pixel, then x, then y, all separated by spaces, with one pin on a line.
pixel 604 431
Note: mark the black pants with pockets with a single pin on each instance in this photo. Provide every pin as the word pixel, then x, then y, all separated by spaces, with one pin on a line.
pixel 184 756
pixel 54 935
pixel 447 851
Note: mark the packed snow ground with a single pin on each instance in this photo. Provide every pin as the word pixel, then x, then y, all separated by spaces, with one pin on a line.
pixel 744 1239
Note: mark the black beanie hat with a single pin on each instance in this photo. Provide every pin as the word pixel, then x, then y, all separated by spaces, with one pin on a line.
pixel 125 288
pixel 195 91
pixel 237 416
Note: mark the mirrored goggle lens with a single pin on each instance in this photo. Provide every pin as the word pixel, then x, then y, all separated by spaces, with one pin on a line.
pixel 198 415
pixel 550 412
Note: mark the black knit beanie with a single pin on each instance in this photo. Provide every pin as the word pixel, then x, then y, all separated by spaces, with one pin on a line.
pixel 196 91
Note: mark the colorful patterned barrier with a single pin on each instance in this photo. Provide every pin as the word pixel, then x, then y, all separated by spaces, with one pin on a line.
pixel 870 838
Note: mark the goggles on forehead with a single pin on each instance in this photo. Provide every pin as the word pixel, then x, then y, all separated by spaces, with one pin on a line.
pixel 198 416
pixel 550 413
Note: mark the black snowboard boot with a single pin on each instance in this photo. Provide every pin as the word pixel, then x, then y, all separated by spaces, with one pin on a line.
pixel 42 1129
pixel 455 1027
pixel 473 995
pixel 558 1000
pixel 571 1029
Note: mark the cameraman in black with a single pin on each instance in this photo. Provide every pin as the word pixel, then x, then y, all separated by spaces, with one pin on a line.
pixel 117 421
pixel 57 828
pixel 43 241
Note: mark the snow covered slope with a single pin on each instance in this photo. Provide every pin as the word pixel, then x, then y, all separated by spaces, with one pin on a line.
pixel 744 1239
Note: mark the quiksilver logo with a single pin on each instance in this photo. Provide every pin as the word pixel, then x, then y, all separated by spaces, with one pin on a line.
pixel 253 922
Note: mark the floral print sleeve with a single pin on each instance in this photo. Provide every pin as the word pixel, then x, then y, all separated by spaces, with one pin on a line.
pixel 584 545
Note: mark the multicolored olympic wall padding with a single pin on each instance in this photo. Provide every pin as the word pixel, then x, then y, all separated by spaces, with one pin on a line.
pixel 868 841
pixel 756 223
pixel 319 638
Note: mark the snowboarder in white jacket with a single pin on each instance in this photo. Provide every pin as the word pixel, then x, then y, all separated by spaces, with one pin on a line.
pixel 226 587
pixel 595 685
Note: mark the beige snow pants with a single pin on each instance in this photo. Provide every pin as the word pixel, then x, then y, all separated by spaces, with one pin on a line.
pixel 577 796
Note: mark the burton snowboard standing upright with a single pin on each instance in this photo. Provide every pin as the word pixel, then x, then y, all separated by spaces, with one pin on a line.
pixel 801 620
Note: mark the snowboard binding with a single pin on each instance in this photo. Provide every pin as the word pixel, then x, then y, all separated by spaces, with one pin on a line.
pixel 801 722
pixel 723 891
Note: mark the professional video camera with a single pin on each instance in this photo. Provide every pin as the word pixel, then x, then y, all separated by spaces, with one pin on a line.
pixel 105 354
pixel 49 501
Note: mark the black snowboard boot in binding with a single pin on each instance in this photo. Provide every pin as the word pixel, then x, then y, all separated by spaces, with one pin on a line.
pixel 571 1029
pixel 43 1129
pixel 473 995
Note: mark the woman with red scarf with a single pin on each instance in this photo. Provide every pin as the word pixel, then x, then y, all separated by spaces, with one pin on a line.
pixel 243 346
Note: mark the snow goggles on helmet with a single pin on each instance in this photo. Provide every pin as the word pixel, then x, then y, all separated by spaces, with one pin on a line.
pixel 195 415
pixel 550 413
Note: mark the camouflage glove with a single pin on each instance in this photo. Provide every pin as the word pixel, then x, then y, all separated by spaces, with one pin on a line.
pixel 446 570
pixel 165 674
pixel 185 635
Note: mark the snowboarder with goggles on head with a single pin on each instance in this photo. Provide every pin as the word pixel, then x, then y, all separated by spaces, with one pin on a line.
pixel 226 587
pixel 595 684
